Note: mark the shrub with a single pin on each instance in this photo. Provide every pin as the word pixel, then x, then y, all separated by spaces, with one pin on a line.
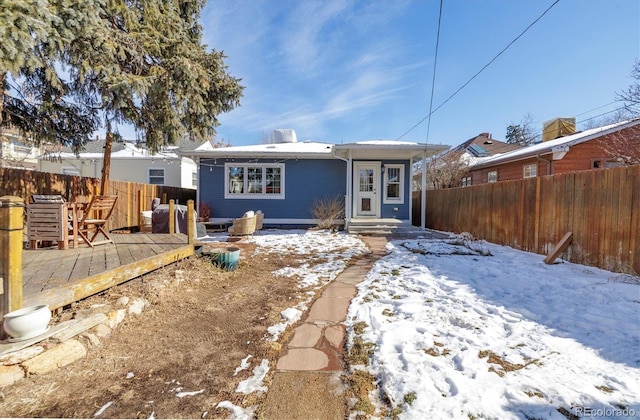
pixel 328 211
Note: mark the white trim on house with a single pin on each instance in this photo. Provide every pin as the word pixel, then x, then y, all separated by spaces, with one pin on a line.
pixel 385 184
pixel 245 182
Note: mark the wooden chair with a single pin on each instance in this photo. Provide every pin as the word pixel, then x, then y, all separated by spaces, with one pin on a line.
pixel 245 225
pixel 51 218
pixel 94 218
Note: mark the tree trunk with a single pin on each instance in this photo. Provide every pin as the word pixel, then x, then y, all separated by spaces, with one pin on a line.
pixel 2 83
pixel 106 164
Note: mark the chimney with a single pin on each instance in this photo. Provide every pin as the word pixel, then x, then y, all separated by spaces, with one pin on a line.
pixel 558 127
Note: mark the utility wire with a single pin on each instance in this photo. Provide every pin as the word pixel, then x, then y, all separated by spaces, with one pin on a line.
pixel 435 66
pixel 480 71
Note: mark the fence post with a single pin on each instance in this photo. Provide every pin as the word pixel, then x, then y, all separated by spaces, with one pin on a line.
pixel 11 234
pixel 191 223
pixel 172 217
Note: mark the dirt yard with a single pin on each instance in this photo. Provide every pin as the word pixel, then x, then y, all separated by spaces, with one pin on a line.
pixel 192 336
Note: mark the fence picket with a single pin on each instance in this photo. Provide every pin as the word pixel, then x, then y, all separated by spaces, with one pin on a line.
pixel 533 214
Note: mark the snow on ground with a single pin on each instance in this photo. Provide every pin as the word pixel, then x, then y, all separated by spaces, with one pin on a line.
pixel 324 255
pixel 468 329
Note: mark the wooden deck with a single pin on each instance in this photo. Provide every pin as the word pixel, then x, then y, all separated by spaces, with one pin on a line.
pixel 60 277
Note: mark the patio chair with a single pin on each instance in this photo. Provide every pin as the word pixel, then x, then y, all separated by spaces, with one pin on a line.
pixel 94 219
pixel 243 226
pixel 259 220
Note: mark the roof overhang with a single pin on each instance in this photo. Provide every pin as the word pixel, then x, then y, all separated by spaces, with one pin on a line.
pixel 387 149
pixel 301 150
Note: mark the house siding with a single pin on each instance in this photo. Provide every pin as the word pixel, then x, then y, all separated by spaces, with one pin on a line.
pixel 126 169
pixel 305 181
pixel 403 210
pixel 580 157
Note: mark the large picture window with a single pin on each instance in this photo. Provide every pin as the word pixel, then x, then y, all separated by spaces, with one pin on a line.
pixel 254 180
pixel 393 184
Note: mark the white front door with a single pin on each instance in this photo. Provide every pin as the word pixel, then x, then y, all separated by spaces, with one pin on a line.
pixel 366 183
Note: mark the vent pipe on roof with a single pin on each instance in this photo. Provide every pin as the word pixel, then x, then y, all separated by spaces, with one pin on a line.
pixel 284 135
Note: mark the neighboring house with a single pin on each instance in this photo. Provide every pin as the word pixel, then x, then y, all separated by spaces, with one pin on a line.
pixel 15 152
pixel 129 162
pixel 286 177
pixel 450 169
pixel 611 145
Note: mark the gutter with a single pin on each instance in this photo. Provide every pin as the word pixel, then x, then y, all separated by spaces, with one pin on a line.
pixel 548 162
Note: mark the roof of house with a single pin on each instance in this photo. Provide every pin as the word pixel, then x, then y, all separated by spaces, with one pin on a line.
pixel 309 149
pixel 561 144
pixel 94 149
pixel 483 146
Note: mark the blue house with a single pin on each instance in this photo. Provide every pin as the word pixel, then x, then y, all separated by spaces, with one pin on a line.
pixel 285 178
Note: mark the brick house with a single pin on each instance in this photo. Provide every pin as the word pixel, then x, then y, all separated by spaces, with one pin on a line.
pixel 611 145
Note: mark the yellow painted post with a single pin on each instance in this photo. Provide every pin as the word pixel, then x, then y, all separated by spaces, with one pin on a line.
pixel 191 223
pixel 140 209
pixel 11 234
pixel 172 217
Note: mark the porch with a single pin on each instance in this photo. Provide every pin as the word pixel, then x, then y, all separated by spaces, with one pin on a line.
pixel 383 227
pixel 61 277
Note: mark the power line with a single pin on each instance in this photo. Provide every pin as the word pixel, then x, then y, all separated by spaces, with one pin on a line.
pixel 435 66
pixel 480 71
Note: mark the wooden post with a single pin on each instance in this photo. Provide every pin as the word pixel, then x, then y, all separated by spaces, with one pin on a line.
pixel 11 232
pixel 106 165
pixel 172 217
pixel 191 223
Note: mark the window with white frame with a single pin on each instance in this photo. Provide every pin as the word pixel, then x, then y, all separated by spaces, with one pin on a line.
pixel 194 179
pixel 466 181
pixel 156 176
pixel 254 180
pixel 393 184
pixel 492 176
pixel 530 171
pixel 70 170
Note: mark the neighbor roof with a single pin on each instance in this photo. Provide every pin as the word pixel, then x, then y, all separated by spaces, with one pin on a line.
pixel 558 145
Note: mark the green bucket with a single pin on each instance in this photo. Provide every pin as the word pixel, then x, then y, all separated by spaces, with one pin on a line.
pixel 226 258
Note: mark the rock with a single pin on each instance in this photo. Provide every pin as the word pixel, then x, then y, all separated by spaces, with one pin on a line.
pixel 10 375
pixel 102 330
pixel 116 317
pixel 65 316
pixel 137 306
pixel 95 309
pixel 61 355
pixel 92 339
pixel 122 302
pixel 20 356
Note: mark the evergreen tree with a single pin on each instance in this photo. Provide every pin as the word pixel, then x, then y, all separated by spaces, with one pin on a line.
pixel 140 62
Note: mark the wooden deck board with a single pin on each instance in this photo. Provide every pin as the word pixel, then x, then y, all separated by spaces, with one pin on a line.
pixel 59 277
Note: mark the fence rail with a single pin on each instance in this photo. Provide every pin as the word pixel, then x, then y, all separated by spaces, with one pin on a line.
pixel 600 207
pixel 132 196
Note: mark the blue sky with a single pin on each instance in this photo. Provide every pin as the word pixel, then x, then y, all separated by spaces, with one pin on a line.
pixel 351 70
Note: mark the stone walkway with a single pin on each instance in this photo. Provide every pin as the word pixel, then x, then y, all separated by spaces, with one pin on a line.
pixel 307 381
